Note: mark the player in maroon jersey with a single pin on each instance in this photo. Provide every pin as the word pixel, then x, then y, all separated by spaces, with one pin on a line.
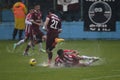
pixel 37 34
pixel 70 59
pixel 27 28
pixel 53 27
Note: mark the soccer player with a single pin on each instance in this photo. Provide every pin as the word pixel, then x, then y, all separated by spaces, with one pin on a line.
pixel 28 31
pixel 69 59
pixel 37 34
pixel 53 27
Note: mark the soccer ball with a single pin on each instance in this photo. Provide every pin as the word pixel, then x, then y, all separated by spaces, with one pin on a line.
pixel 32 62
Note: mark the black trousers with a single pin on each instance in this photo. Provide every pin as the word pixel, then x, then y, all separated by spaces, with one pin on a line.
pixel 15 31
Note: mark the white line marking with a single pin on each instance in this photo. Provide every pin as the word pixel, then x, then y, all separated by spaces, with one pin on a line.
pixel 102 77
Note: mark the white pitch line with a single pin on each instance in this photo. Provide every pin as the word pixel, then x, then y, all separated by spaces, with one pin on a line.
pixel 116 70
pixel 102 77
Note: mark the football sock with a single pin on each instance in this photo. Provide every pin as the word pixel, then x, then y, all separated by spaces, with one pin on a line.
pixel 40 45
pixel 27 48
pixel 20 42
pixel 50 57
pixel 87 63
pixel 86 57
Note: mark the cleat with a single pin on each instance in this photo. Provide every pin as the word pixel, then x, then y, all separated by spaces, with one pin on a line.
pixel 25 54
pixel 95 59
pixel 57 40
pixel 42 50
pixel 45 65
pixel 14 46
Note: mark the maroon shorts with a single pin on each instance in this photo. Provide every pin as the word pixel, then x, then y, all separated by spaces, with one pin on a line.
pixel 50 42
pixel 37 36
pixel 28 30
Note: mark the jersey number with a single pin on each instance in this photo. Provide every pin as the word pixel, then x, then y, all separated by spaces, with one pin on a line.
pixel 54 24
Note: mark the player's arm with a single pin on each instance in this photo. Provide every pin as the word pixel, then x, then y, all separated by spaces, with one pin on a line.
pixel 75 57
pixel 60 29
pixel 46 23
pixel 39 24
pixel 34 22
pixel 28 21
pixel 42 23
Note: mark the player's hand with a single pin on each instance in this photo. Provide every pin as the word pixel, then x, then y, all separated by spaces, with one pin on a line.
pixel 44 28
pixel 31 20
pixel 60 30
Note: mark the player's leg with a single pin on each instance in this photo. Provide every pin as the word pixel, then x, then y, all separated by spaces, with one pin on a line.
pixel 20 34
pixel 18 43
pixel 50 55
pixel 49 48
pixel 87 57
pixel 88 63
pixel 40 44
pixel 27 35
pixel 89 60
pixel 30 44
pixel 14 33
pixel 41 48
pixel 40 38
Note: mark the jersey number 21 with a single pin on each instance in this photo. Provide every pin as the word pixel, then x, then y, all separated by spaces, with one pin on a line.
pixel 54 24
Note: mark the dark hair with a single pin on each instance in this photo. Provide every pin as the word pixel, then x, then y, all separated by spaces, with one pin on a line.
pixel 51 10
pixel 19 0
pixel 60 51
pixel 36 4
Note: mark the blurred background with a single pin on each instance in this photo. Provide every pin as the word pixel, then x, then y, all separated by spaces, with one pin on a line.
pixel 73 13
pixel 70 11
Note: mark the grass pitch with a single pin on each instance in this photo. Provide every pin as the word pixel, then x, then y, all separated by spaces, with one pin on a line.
pixel 14 66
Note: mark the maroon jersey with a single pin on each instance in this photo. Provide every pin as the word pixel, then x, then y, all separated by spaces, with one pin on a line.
pixel 52 31
pixel 54 23
pixel 28 25
pixel 36 16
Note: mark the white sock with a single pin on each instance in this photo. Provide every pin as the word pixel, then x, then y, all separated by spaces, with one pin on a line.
pixel 20 42
pixel 40 46
pixel 87 63
pixel 85 57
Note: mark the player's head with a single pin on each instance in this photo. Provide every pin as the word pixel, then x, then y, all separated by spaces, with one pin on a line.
pixel 31 10
pixel 19 0
pixel 37 7
pixel 60 53
pixel 51 11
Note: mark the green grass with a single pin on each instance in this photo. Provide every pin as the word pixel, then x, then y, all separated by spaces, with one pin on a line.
pixel 14 66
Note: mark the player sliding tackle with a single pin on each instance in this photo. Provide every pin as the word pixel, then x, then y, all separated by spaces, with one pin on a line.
pixel 70 58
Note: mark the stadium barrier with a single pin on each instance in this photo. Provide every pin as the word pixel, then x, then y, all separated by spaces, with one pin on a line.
pixel 71 30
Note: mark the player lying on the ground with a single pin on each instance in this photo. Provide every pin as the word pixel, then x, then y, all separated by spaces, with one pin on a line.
pixel 70 58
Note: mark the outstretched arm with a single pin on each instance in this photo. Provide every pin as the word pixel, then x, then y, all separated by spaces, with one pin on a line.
pixel 46 23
